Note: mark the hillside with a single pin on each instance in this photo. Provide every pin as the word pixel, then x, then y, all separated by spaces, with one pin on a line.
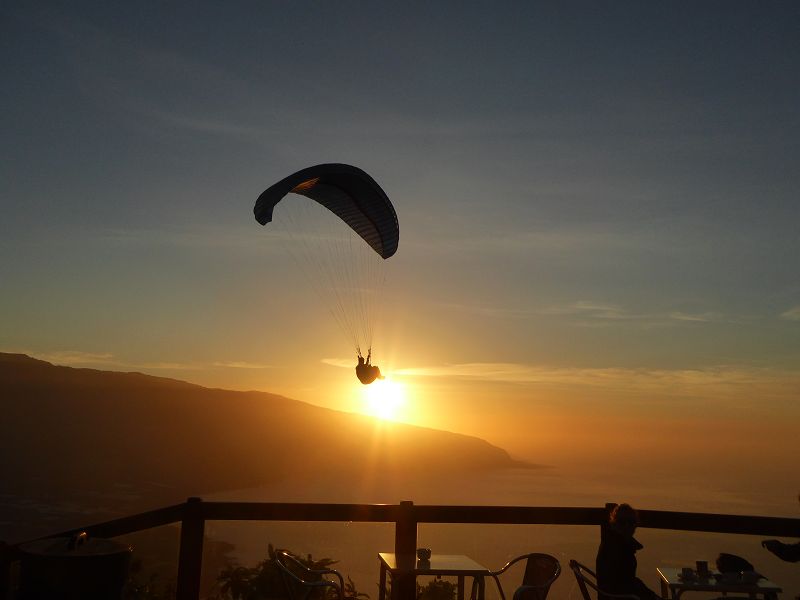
pixel 134 441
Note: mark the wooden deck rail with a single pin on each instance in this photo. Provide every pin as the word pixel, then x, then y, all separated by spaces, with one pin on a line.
pixel 194 513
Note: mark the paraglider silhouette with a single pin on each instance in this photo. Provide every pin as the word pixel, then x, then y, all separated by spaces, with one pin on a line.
pixel 346 265
pixel 366 372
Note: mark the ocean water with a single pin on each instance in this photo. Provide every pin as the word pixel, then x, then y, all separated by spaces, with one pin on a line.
pixel 657 487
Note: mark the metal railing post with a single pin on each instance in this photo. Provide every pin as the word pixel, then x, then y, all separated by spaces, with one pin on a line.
pixel 404 586
pixel 190 559
pixel 5 570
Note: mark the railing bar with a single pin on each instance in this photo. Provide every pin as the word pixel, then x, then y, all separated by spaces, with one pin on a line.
pixel 720 523
pixel 285 511
pixel 125 525
pixel 492 515
pixel 509 515
pixel 710 522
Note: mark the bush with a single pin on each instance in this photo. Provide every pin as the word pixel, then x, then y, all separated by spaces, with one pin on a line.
pixel 264 581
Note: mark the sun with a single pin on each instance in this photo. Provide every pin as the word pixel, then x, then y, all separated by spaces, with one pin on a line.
pixel 384 399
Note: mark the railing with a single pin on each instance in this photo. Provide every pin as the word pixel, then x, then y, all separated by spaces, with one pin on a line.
pixel 193 514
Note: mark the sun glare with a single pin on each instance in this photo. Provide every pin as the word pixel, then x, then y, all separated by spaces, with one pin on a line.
pixel 384 399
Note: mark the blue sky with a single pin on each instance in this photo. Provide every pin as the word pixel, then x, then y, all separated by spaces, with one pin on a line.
pixel 582 187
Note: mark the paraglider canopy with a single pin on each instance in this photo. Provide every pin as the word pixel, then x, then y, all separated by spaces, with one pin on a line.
pixel 349 193
pixel 346 272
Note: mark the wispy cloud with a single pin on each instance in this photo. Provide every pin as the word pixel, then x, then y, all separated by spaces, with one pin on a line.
pixel 716 381
pixel 489 311
pixel 116 69
pixel 341 363
pixel 793 314
pixel 593 313
pixel 76 357
pixel 696 317
pixel 594 310
pixel 165 365
pixel 206 124
pixel 193 236
pixel 574 239
pixel 70 358
pixel 242 365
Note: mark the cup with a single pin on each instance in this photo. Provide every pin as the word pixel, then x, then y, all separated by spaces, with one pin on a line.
pixel 702 569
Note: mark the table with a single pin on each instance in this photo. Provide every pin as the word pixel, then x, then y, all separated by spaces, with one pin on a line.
pixel 672 585
pixel 456 565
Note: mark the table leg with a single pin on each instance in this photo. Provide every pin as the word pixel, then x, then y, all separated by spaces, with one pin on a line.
pixel 481 588
pixel 460 587
pixel 404 585
pixel 382 585
pixel 664 590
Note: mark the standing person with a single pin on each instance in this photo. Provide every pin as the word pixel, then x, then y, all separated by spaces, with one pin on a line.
pixel 616 557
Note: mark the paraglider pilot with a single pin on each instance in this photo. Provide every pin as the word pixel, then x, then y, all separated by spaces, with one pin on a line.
pixel 366 372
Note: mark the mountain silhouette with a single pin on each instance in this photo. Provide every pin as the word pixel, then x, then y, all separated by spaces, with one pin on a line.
pixel 135 440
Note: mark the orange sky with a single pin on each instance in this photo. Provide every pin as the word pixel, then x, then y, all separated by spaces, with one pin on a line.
pixel 598 209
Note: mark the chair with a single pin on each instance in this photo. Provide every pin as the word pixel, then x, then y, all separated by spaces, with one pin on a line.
pixel 587 577
pixel 301 583
pixel 541 571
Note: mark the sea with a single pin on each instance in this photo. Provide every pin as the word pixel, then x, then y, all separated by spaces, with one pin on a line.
pixel 654 485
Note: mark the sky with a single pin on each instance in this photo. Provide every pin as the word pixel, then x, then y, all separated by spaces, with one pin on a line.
pixel 598 207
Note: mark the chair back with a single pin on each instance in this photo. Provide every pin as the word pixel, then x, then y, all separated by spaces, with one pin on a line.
pixel 588 579
pixel 302 583
pixel 541 570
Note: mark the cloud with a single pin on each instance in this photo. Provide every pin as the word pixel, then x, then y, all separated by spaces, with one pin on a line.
pixel 80 358
pixel 111 68
pixel 76 357
pixel 582 308
pixel 205 124
pixel 242 365
pixel 193 236
pixel 164 365
pixel 793 314
pixel 567 240
pixel 341 363
pixel 702 317
pixel 714 381
pixel 489 311
pixel 498 372
pixel 593 310
pixel 593 313
pixel 108 360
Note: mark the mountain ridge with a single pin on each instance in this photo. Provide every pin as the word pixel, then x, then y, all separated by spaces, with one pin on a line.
pixel 78 433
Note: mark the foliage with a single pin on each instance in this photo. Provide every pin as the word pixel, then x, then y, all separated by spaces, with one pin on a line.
pixel 144 586
pixel 351 592
pixel 437 589
pixel 153 568
pixel 264 581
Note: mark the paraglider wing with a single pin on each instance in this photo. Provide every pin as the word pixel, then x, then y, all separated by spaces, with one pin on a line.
pixel 349 193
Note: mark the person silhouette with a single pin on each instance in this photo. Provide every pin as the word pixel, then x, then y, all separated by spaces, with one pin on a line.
pixel 616 557
pixel 787 552
pixel 366 372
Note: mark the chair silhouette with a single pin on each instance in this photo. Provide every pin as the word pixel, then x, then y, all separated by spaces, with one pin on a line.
pixel 302 583
pixel 541 570
pixel 588 579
